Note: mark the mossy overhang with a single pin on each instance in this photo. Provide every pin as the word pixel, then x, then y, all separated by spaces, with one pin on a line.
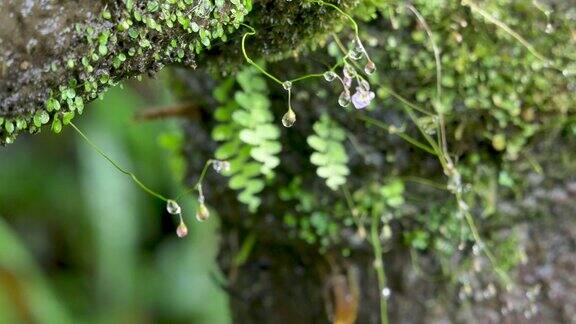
pixel 56 56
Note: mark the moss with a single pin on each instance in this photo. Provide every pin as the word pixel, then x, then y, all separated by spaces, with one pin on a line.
pixel 284 29
pixel 123 39
pixel 131 38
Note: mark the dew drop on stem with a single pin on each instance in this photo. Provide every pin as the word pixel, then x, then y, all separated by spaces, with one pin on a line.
pixel 172 207
pixel 344 99
pixel 386 292
pixel 356 53
pixel 221 166
pixel 289 118
pixel 349 71
pixel 370 68
pixel 329 76
pixel 287 85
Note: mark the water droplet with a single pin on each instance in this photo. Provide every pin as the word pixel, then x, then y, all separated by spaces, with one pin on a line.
pixel 289 118
pixel 221 166
pixel 344 99
pixel 370 68
pixel 356 53
pixel 329 76
pixel 386 293
pixel 173 208
pixel 182 230
pixel 287 85
pixel 364 85
pixel 349 71
pixel 476 249
pixel 202 213
pixel 347 82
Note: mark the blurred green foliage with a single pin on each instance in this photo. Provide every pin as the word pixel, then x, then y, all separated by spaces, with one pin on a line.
pixel 80 243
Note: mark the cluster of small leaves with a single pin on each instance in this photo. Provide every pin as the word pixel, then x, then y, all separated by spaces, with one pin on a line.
pixel 110 54
pixel 493 86
pixel 383 199
pixel 248 134
pixel 329 152
pixel 61 107
pixel 313 219
pixel 497 97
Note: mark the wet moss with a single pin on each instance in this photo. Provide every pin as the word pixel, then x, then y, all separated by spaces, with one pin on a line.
pixel 78 50
pixel 88 46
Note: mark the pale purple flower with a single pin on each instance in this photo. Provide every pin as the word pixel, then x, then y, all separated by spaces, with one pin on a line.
pixel 362 98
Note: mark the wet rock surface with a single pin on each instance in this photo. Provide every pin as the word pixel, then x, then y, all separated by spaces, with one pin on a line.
pixel 36 39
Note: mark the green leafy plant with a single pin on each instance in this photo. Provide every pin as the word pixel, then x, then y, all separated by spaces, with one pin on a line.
pixel 248 135
pixel 330 155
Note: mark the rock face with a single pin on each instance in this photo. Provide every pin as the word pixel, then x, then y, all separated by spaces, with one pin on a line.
pixel 37 38
pixel 55 56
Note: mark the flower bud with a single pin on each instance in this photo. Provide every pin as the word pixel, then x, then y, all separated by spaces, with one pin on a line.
pixel 202 213
pixel 182 230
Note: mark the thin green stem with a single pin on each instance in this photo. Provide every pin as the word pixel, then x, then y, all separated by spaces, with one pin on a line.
pixel 505 28
pixel 308 76
pixel 428 138
pixel 289 99
pixel 199 182
pixel 426 182
pixel 379 267
pixel 406 102
pixel 402 135
pixel 266 73
pixel 117 166
pixel 441 121
pixel 349 201
pixel 245 250
pixel 377 246
pixel 252 32
pixel 476 235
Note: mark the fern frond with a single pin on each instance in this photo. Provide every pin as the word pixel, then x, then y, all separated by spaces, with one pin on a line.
pixel 248 135
pixel 330 155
